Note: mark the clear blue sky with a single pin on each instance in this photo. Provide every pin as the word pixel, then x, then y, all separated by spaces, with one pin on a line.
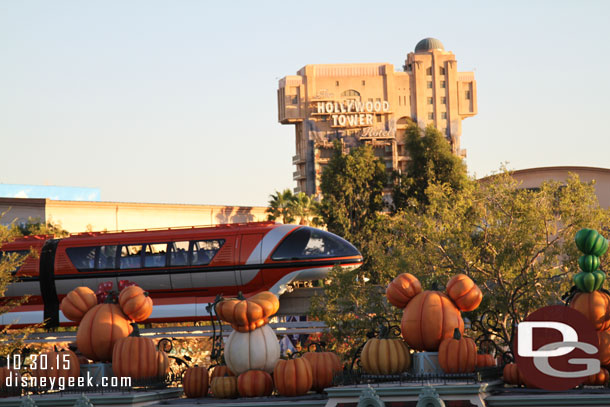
pixel 175 101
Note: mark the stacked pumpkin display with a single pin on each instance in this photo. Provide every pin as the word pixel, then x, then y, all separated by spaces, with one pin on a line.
pixel 590 300
pixel 432 320
pixel 252 349
pixel 104 330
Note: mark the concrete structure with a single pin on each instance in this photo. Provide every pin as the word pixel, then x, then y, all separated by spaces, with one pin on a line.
pixel 534 177
pixel 82 216
pixel 372 103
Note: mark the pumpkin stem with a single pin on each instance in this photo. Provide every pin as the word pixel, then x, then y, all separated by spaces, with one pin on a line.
pixel 456 334
pixel 240 296
pixel 136 330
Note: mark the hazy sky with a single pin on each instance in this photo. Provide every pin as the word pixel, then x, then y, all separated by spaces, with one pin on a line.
pixel 175 101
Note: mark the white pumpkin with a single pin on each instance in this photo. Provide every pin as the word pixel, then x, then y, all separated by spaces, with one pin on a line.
pixel 255 350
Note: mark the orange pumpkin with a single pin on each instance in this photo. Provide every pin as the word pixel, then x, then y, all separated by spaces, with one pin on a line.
pixel 385 356
pixel 604 348
pixel 245 315
pixel 99 330
pixel 324 365
pixel 464 292
pixel 599 379
pixel 485 360
pixel 56 364
pixel 135 357
pixel 254 383
pixel 512 375
pixel 224 387
pixel 457 354
pixel 293 377
pixel 195 382
pixel 429 318
pixel 135 303
pixel 595 306
pixel 162 365
pixel 76 304
pixel 221 371
pixel 402 289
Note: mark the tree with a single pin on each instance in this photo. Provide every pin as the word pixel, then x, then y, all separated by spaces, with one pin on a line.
pixel 431 161
pixel 280 206
pixel 517 244
pixel 34 226
pixel 306 209
pixel 352 186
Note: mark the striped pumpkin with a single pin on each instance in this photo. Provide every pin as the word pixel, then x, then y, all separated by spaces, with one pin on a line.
pixel 99 330
pixel 595 306
pixel 76 304
pixel 224 387
pixel 254 383
pixel 135 303
pixel 385 356
pixel 195 382
pixel 324 365
pixel 135 357
pixel 293 377
pixel 255 350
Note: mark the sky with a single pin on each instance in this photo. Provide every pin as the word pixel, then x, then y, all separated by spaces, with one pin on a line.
pixel 175 101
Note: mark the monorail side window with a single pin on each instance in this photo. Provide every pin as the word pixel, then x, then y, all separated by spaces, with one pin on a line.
pixel 203 251
pixel 154 255
pixel 310 243
pixel 106 257
pixel 83 258
pixel 178 253
pixel 131 256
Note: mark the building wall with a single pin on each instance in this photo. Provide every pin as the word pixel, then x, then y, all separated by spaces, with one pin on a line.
pixel 534 177
pixel 81 216
pixel 331 102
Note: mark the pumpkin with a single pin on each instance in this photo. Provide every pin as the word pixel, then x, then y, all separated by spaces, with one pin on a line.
pixel 589 241
pixel 512 375
pixel 224 387
pixel 599 379
pixel 162 365
pixel 429 318
pixel 221 371
pixel 588 262
pixel 485 360
pixel 76 304
pixel 466 295
pixel 595 306
pixel 195 382
pixel 245 315
pixel 255 350
pixel 254 383
pixel 99 330
pixel 293 377
pixel 324 365
pixel 457 354
pixel 604 348
pixel 587 282
pixel 56 364
pixel 385 356
pixel 402 289
pixel 135 303
pixel 135 357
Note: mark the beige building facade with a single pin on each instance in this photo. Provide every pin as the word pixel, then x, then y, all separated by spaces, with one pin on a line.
pixel 82 216
pixel 372 103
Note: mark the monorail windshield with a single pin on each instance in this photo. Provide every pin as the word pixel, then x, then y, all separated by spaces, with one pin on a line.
pixel 308 243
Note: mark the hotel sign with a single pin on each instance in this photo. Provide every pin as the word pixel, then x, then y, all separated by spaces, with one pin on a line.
pixel 352 113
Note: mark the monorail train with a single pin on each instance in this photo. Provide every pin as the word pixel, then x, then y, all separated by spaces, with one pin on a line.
pixel 183 269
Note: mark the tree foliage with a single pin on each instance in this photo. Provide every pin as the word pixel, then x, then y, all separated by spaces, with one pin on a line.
pixel 431 161
pixel 517 244
pixel 291 207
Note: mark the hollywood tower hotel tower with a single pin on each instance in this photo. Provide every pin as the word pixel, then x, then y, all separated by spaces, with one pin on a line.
pixel 372 103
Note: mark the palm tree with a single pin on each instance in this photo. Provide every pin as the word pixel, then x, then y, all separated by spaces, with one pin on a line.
pixel 305 207
pixel 280 206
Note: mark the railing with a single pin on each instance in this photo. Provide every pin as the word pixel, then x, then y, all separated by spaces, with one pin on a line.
pixel 280 328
